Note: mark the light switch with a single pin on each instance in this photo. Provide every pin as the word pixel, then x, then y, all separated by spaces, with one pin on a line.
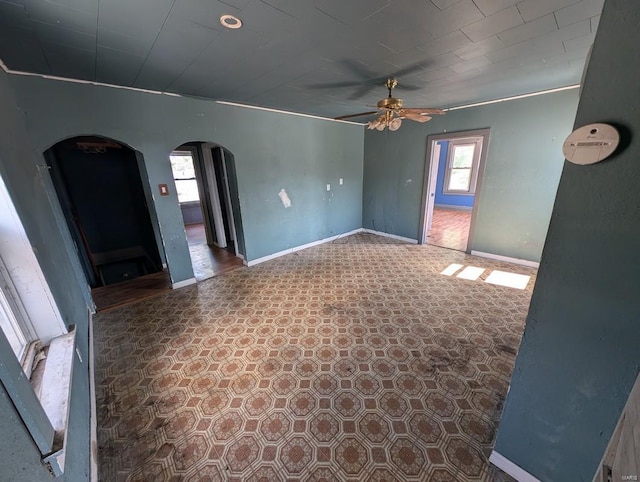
pixel 328 187
pixel 164 189
pixel 341 181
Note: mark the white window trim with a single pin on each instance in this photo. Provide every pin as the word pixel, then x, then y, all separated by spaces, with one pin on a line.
pixel 190 154
pixel 29 304
pixel 477 142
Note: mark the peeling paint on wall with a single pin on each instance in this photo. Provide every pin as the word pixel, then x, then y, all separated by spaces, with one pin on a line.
pixel 286 202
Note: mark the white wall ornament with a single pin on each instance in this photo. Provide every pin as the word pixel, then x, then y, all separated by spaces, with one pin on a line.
pixel 590 144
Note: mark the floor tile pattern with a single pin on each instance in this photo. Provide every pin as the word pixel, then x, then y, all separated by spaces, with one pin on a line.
pixel 353 360
pixel 450 228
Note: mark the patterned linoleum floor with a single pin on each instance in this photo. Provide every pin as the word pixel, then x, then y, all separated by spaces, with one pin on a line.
pixel 355 360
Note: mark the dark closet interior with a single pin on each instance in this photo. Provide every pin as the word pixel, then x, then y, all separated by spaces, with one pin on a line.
pixel 101 193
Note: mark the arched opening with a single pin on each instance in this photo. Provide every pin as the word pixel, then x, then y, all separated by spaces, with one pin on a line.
pixel 107 207
pixel 206 185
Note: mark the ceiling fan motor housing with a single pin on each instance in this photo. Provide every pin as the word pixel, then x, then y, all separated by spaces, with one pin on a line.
pixel 390 103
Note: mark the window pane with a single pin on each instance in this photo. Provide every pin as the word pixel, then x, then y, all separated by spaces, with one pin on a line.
pixel 10 327
pixel 182 166
pixel 463 156
pixel 187 190
pixel 459 180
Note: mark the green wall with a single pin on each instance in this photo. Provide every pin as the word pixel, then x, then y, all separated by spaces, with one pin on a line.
pixel 580 353
pixel 18 168
pixel 272 151
pixel 523 167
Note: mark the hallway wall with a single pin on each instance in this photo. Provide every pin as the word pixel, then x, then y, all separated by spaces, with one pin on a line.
pixel 579 356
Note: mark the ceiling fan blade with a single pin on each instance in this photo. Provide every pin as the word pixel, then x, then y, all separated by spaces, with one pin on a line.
pixel 361 114
pixel 414 117
pixel 362 91
pixel 420 110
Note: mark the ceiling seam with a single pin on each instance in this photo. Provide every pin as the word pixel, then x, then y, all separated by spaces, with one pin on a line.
pixel 95 63
pixel 153 44
pixel 44 55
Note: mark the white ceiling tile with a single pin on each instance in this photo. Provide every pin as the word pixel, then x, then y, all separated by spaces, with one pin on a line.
pixel 532 9
pixel 536 28
pixel 493 24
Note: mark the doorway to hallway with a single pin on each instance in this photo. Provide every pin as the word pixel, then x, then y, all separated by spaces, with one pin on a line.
pixel 204 187
pixel 452 182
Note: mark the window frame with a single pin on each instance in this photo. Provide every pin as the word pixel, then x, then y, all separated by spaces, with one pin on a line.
pixel 194 178
pixel 32 310
pixel 475 163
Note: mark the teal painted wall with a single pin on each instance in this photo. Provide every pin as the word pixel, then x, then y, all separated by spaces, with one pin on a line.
pixel 272 151
pixel 27 188
pixel 580 354
pixel 523 167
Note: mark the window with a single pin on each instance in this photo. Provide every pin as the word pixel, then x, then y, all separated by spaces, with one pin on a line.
pixel 38 381
pixel 462 166
pixel 13 328
pixel 184 174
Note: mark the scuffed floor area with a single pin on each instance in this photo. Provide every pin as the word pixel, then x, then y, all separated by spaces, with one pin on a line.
pixel 355 360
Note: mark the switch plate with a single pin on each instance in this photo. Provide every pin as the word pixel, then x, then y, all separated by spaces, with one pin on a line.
pixel 328 187
pixel 341 181
pixel 164 189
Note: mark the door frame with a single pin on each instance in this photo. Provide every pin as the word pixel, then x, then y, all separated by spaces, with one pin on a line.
pixel 432 163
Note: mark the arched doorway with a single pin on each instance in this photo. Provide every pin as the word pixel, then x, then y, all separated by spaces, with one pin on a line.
pixel 107 208
pixel 206 184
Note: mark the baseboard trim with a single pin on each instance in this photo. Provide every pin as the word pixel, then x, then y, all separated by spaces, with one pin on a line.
pixel 269 257
pixel 93 409
pixel 392 236
pixel 510 468
pixel 182 284
pixel 453 207
pixel 507 259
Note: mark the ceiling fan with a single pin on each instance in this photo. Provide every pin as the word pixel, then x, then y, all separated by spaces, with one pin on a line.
pixel 392 111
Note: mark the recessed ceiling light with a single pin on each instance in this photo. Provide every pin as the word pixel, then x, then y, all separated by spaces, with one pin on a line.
pixel 230 21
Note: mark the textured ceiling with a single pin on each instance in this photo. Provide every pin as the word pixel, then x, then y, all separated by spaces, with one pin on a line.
pixel 324 57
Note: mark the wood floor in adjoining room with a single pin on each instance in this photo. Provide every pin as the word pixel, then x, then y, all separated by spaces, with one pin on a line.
pixel 450 228
pixel 349 361
pixel 208 261
pixel 131 291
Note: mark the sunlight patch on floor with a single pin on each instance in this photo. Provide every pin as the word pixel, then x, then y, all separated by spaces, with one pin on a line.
pixel 471 273
pixel 512 280
pixel 451 269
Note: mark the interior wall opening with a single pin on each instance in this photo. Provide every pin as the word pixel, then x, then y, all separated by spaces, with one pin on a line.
pixel 455 164
pixel 108 211
pixel 206 186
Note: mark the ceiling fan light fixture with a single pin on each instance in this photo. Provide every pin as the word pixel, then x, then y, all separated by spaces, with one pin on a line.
pixel 395 124
pixel 230 21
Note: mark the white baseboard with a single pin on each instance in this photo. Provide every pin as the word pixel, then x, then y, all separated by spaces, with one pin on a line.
pixel 93 414
pixel 182 284
pixel 507 259
pixel 392 236
pixel 510 468
pixel 254 262
pixel 453 207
